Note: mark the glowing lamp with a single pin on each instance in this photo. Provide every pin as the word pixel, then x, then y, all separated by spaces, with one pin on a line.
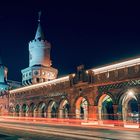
pixel 130 93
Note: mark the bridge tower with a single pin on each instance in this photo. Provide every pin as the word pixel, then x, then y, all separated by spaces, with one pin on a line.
pixel 3 77
pixel 39 69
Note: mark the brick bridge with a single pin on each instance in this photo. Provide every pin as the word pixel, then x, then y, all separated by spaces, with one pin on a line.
pixel 110 92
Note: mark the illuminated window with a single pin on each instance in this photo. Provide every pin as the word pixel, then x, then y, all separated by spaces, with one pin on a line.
pixel 48 74
pixel 53 75
pixel 36 72
pixel 37 80
pixel 43 73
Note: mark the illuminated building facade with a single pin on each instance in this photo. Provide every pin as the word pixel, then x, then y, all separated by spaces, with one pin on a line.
pixel 110 92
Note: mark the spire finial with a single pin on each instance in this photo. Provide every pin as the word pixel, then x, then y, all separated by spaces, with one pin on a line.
pixel 39 32
pixel 39 15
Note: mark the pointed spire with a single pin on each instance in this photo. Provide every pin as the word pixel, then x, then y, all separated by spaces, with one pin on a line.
pixel 39 32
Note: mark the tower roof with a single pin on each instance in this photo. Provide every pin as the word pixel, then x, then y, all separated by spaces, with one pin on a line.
pixel 39 32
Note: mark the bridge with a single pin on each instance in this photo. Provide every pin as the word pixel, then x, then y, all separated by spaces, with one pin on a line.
pixel 106 93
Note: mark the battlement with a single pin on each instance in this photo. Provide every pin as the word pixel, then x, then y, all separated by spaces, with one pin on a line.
pixel 39 43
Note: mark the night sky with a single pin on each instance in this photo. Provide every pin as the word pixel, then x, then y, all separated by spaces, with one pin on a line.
pixel 81 32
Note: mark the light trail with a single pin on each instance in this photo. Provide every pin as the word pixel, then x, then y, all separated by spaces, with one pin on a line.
pixel 58 132
pixel 119 65
pixel 72 132
pixel 55 81
pixel 110 124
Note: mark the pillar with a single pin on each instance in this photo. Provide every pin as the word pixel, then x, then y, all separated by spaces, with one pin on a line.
pixel 72 113
pixel 115 109
pixel 92 113
pixel 60 113
pixel 99 113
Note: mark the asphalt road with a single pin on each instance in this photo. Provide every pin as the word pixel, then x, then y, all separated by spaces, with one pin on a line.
pixel 22 130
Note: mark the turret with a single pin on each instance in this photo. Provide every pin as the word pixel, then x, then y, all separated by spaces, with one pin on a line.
pixel 39 69
pixel 3 77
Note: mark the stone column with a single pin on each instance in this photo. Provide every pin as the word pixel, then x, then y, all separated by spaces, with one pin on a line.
pixel 99 115
pixel 72 113
pixel 60 113
pixel 92 113
pixel 115 109
pixel 49 114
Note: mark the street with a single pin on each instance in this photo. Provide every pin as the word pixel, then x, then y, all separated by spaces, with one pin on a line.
pixel 25 130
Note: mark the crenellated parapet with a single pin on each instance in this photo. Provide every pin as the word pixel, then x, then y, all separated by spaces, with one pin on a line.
pixel 39 43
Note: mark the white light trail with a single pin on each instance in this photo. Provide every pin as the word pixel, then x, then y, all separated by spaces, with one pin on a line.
pixel 59 80
pixel 128 63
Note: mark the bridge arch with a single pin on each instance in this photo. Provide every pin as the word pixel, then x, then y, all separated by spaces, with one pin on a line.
pixel 42 109
pixel 81 108
pixel 96 100
pixel 64 108
pixel 25 110
pixel 11 109
pixel 128 106
pixel 32 110
pixel 105 107
pixel 17 110
pixel 52 109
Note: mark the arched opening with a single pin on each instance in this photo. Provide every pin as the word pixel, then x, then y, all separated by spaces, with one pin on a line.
pixel 11 110
pixel 64 109
pixel 32 110
pixel 82 108
pixel 105 108
pixel 42 110
pixel 129 108
pixel 52 110
pixel 17 110
pixel 1 110
pixel 25 109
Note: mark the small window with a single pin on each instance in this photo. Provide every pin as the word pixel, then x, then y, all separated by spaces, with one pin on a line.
pixel 37 80
pixel 36 72
pixel 43 72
